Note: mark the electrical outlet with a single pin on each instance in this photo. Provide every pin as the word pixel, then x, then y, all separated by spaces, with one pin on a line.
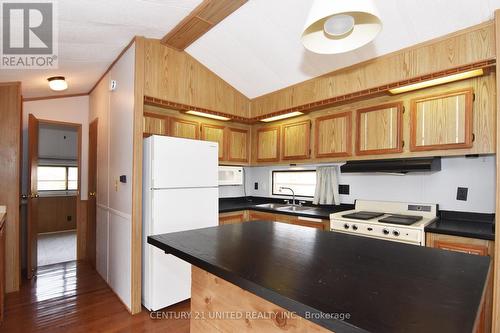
pixel 344 189
pixel 69 218
pixel 462 193
pixel 116 185
pixel 256 186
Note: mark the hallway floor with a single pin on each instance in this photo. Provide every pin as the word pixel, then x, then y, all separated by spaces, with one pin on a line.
pixel 56 247
pixel 72 297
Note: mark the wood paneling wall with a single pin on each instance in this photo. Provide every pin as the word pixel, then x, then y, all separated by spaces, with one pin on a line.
pixel 53 213
pixel 461 48
pixel 177 77
pixel 10 164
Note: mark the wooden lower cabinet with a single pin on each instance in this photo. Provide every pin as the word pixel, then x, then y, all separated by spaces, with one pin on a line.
pixel 252 215
pixel 233 217
pixel 472 246
pixel 296 220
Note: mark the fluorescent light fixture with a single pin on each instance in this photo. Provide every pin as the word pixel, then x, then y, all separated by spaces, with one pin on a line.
pixel 282 116
pixel 57 83
pixel 207 115
pixel 438 81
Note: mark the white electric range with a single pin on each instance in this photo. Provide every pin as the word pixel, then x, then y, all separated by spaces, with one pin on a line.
pixel 393 221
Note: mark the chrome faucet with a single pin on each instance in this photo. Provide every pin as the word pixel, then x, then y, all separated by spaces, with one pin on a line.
pixel 293 194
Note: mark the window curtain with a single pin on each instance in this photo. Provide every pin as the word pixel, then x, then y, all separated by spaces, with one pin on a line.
pixel 327 187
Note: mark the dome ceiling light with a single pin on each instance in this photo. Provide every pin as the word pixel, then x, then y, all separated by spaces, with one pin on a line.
pixel 338 26
pixel 57 83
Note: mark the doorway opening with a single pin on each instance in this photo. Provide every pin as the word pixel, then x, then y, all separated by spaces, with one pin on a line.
pixel 57 175
pixel 55 169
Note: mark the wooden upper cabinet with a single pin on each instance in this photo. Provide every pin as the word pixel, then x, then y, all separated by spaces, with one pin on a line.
pixel 442 121
pixel 379 129
pixel 154 124
pixel 333 135
pixel 297 140
pixel 184 128
pixel 214 133
pixel 268 144
pixel 237 145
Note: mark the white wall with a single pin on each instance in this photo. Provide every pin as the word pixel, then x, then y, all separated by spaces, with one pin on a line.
pixel 71 110
pixel 114 111
pixel 477 174
pixel 57 142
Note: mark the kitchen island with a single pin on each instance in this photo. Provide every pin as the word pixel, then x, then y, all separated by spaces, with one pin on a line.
pixel 271 276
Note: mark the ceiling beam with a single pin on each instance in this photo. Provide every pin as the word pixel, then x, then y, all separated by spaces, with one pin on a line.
pixel 203 18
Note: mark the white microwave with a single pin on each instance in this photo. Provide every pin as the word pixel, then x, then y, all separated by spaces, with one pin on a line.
pixel 230 175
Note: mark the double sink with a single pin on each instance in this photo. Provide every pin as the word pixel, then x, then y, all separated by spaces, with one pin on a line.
pixel 285 207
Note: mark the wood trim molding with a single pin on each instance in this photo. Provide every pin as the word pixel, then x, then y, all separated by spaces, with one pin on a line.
pixel 468 139
pixel 184 107
pixel 496 263
pixel 399 134
pixel 115 61
pixel 278 143
pixel 240 130
pixel 31 99
pixel 307 141
pixel 348 135
pixel 203 18
pixel 136 232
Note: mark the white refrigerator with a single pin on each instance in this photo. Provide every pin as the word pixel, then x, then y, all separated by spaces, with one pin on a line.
pixel 180 192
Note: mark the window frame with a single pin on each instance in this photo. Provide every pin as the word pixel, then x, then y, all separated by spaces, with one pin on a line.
pixel 66 180
pixel 289 195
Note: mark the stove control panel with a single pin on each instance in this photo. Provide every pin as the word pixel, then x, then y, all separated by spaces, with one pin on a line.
pixel 395 233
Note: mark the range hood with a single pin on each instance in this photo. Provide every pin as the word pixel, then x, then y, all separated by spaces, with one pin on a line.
pixel 400 166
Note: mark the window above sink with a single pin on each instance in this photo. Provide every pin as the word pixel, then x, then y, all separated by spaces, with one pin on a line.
pixel 302 182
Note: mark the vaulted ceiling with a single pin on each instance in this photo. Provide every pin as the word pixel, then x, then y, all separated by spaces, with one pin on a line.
pixel 256 49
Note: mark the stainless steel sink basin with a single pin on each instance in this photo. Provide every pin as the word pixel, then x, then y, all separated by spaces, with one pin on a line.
pixel 272 206
pixel 295 208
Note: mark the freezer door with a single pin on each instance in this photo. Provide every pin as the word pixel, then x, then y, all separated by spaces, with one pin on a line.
pixel 184 163
pixel 167 278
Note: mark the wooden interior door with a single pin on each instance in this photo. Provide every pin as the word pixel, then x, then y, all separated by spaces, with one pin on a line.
pixel 33 195
pixel 91 204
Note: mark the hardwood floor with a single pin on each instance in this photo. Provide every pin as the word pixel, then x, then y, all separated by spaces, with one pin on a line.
pixel 72 297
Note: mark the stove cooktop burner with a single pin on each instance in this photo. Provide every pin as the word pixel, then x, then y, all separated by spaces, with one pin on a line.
pixel 363 215
pixel 401 219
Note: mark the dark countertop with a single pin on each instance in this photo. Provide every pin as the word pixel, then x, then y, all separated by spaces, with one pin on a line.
pixel 385 287
pixel 472 225
pixel 227 205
